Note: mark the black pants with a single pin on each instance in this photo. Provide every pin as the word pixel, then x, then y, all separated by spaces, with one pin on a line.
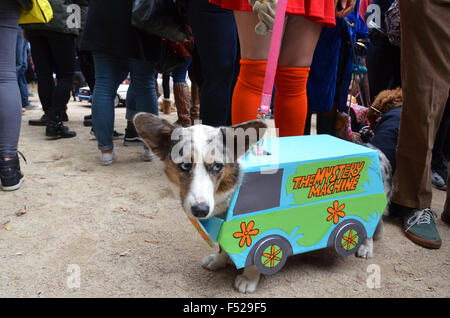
pixel 53 52
pixel 441 149
pixel 87 68
pixel 383 64
pixel 217 45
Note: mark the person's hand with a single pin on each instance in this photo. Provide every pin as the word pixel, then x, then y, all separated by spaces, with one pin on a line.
pixel 265 9
pixel 344 7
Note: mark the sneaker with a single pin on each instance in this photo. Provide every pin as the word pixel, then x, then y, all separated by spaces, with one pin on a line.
pixel 420 228
pixel 438 180
pixel 131 136
pixel 107 158
pixel 10 175
pixel 117 135
pixel 147 154
pixel 56 130
pixel 32 107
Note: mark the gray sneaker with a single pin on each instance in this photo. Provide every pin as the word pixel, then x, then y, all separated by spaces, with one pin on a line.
pixel 438 181
pixel 32 107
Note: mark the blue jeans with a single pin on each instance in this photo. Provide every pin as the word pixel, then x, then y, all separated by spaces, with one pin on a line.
pixel 110 71
pixel 179 75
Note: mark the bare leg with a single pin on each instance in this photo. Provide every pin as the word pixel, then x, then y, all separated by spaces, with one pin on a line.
pixel 299 40
pixel 253 46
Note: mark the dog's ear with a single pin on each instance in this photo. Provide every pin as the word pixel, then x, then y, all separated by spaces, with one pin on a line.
pixel 155 132
pixel 240 137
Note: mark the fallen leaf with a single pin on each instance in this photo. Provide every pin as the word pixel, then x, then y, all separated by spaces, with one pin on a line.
pixel 124 253
pixel 22 211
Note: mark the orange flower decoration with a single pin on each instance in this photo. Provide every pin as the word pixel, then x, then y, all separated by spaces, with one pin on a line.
pixel 336 212
pixel 246 233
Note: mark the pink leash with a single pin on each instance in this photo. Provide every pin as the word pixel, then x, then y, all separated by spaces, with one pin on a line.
pixel 274 52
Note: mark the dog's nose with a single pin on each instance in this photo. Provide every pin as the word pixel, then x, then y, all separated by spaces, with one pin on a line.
pixel 200 210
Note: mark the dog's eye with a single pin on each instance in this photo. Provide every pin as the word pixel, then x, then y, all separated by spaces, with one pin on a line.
pixel 217 167
pixel 185 167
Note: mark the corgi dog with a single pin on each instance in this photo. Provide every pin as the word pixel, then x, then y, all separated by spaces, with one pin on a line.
pixel 201 164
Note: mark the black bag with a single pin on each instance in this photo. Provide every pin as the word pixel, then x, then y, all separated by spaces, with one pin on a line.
pixel 161 54
pixel 26 4
pixel 159 17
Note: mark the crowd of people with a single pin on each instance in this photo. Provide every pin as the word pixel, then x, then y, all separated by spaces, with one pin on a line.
pixel 329 48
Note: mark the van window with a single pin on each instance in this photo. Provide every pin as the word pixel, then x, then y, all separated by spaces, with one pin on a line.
pixel 259 192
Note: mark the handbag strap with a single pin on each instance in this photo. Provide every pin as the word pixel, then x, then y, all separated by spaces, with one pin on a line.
pixel 274 51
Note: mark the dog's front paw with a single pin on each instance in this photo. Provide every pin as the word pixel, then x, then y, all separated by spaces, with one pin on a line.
pixel 215 261
pixel 366 249
pixel 247 282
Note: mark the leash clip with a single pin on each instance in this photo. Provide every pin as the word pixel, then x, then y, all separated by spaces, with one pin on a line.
pixel 263 114
pixel 263 111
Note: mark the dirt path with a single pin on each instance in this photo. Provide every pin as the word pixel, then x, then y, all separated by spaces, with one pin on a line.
pixel 128 237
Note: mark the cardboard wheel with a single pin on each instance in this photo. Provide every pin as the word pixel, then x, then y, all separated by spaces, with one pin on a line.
pixel 349 237
pixel 271 254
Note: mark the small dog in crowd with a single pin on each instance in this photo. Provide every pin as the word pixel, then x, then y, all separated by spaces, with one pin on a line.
pixel 384 102
pixel 205 176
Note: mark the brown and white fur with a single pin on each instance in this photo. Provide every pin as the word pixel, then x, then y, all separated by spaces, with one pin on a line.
pixel 205 176
pixel 205 180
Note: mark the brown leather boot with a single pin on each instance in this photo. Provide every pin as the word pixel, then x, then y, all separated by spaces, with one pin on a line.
pixel 183 104
pixel 166 106
pixel 195 103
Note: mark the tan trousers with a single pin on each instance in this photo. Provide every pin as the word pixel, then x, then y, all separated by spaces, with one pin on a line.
pixel 426 85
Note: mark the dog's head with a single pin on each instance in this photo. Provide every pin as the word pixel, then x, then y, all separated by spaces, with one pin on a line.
pixel 201 162
pixel 384 102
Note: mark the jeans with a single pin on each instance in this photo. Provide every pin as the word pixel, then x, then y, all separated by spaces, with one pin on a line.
pixel 217 45
pixel 10 104
pixel 178 76
pixel 110 71
pixel 53 52
pixel 22 66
